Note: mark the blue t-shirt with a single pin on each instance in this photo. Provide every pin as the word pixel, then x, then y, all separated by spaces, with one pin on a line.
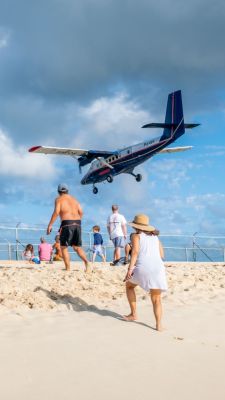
pixel 98 238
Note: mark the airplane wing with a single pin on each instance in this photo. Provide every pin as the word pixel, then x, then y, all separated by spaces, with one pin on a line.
pixel 175 149
pixel 84 156
pixel 58 150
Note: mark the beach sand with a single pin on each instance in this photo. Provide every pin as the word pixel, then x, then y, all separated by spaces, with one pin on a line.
pixel 62 336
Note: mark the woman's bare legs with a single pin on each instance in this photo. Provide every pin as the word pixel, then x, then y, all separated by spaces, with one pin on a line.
pixel 157 307
pixel 131 297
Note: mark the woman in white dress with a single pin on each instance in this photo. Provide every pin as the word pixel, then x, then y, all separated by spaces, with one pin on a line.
pixel 146 267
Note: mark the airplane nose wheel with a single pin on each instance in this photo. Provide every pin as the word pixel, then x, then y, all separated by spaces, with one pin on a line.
pixel 95 190
pixel 109 179
pixel 138 177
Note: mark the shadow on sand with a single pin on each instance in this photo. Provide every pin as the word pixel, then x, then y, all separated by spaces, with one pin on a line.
pixel 79 305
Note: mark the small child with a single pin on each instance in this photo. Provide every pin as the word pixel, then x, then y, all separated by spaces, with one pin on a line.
pixel 98 241
pixel 28 253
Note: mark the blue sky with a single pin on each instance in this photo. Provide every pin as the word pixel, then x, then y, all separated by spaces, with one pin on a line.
pixel 89 74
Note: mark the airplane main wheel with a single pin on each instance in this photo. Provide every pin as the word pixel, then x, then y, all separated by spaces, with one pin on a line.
pixel 138 177
pixel 109 179
pixel 95 190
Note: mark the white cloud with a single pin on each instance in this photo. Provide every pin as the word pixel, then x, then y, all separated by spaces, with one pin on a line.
pixel 17 162
pixel 111 122
pixel 214 151
pixel 4 38
pixel 174 172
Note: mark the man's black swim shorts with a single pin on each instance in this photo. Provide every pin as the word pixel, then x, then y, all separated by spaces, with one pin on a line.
pixel 70 233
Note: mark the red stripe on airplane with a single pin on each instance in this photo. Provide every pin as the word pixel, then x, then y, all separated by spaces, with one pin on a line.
pixel 105 171
pixel 33 149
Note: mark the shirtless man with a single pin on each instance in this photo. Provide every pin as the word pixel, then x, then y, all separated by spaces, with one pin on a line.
pixel 70 212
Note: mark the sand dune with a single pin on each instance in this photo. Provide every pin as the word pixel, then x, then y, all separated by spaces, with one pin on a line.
pixel 49 287
pixel 62 336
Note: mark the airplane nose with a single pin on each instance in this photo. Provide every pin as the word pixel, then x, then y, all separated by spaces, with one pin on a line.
pixel 84 180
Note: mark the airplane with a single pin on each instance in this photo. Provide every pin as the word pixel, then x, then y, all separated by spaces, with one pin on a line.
pixel 105 165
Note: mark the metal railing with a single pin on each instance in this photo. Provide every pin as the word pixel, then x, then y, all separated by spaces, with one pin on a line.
pixel 194 247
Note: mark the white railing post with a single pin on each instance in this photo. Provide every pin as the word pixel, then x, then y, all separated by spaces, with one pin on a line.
pixel 186 253
pixel 9 251
pixel 89 251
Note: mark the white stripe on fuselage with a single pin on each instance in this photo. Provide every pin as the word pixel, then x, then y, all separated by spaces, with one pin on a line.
pixel 121 154
pixel 129 151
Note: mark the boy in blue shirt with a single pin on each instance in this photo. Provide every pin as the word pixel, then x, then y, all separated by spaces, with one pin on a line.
pixel 98 242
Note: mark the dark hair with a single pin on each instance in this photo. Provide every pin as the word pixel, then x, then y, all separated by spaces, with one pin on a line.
pixel 96 228
pixel 29 247
pixel 115 207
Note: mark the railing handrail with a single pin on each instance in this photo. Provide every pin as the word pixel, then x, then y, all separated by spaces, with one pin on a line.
pixel 189 244
pixel 111 245
pixel 199 236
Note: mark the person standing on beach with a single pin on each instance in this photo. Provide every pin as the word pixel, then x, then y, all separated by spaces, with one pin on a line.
pixel 70 212
pixel 117 229
pixel 146 268
pixel 97 246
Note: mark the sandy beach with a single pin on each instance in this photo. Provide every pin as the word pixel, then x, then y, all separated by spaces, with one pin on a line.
pixel 62 335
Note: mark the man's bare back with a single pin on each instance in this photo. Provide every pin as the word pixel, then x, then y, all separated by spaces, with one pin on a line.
pixel 68 208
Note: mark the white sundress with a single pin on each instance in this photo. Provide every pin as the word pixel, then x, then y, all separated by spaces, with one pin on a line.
pixel 149 272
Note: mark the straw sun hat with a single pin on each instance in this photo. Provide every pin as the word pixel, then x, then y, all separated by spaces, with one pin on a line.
pixel 141 221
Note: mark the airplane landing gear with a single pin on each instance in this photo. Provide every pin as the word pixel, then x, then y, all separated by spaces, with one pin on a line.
pixel 95 190
pixel 138 177
pixel 109 178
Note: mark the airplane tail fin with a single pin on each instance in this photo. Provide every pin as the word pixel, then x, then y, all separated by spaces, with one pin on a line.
pixel 174 125
pixel 174 120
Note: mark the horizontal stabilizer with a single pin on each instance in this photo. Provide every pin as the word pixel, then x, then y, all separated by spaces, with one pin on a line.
pixel 169 126
pixel 175 149
pixel 190 126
